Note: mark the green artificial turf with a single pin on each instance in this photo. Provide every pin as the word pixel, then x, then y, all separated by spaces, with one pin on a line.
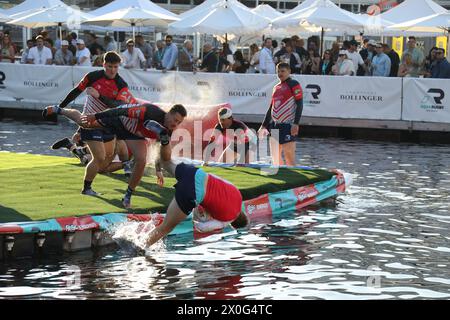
pixel 37 187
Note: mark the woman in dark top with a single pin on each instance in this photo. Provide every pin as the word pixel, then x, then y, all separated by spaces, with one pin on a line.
pixel 312 63
pixel 326 63
pixel 240 64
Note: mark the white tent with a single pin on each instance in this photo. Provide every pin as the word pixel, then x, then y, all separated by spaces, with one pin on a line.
pixel 411 10
pixel 435 23
pixel 132 16
pixel 267 11
pixel 224 17
pixel 122 4
pixel 4 17
pixel 33 5
pixel 301 6
pixel 53 16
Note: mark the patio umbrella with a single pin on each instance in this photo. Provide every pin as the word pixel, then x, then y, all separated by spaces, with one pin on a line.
pixel 267 11
pixel 28 5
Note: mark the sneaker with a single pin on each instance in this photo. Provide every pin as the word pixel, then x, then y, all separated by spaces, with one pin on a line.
pixel 78 152
pixel 63 143
pixel 49 111
pixel 89 192
pixel 127 167
pixel 126 201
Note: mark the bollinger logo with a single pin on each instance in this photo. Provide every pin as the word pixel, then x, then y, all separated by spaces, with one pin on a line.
pixel 433 100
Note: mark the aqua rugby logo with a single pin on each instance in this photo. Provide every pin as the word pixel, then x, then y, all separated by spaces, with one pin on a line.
pixel 2 79
pixel 311 96
pixel 433 100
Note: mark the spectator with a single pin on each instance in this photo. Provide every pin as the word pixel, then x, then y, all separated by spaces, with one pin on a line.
pixel 441 68
pixel 73 39
pixel 282 51
pixel 224 59
pixel 416 55
pixel 133 58
pixel 326 64
pixel 40 54
pixel 367 54
pixel 356 58
pixel 346 45
pixel 210 61
pixel 429 61
pixel 59 40
pixel 292 58
pixel 159 54
pixel 395 60
pixel 186 57
pixel 98 61
pixel 83 55
pixel 95 48
pixel 240 65
pixel 312 64
pixel 49 44
pixel 335 51
pixel 266 63
pixel 30 44
pixel 299 46
pixel 170 55
pixel 226 53
pixel 8 54
pixel 146 49
pixel 381 64
pixel 344 66
pixel 64 57
pixel 254 59
pixel 275 47
pixel 406 68
pixel 72 47
pixel 110 44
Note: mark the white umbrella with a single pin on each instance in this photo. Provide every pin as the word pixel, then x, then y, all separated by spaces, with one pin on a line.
pixel 122 4
pixel 434 23
pixel 322 13
pixel 205 5
pixel 33 5
pixel 267 11
pixel 132 16
pixel 227 16
pixel 53 16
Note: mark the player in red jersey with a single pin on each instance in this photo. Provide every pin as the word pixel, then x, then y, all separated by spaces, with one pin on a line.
pixel 283 115
pixel 105 88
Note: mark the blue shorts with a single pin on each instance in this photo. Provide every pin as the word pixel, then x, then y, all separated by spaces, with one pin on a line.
pixel 185 195
pixel 284 132
pixel 115 126
pixel 96 135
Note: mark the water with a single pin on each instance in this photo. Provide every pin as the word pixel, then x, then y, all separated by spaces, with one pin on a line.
pixel 388 238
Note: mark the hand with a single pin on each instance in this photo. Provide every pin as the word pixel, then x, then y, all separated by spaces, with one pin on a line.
pixel 88 119
pixel 160 178
pixel 93 92
pixel 294 129
pixel 262 132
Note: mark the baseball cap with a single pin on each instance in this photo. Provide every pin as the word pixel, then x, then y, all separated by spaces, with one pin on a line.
pixel 353 42
pixel 80 41
pixel 372 42
pixel 342 52
pixel 225 113
pixel 64 43
pixel 378 45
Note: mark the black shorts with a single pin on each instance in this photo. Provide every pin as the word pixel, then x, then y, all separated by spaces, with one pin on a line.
pixel 185 187
pixel 284 132
pixel 96 135
pixel 115 126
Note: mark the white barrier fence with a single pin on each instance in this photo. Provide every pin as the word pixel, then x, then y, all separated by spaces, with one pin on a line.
pixel 409 99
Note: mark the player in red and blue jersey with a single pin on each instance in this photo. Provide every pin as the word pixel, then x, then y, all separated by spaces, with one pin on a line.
pixel 240 139
pixel 105 88
pixel 221 199
pixel 283 117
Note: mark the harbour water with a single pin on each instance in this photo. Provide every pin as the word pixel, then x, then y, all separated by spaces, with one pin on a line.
pixel 387 238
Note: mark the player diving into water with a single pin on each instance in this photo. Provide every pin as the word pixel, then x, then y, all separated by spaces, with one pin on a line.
pixel 221 199
pixel 135 123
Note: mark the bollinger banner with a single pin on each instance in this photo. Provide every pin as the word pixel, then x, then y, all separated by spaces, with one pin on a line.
pixel 426 100
pixel 323 96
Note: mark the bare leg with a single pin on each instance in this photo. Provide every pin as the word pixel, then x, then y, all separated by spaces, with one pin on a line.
pixel 289 153
pixel 75 116
pixel 173 217
pixel 139 150
pixel 275 151
pixel 99 151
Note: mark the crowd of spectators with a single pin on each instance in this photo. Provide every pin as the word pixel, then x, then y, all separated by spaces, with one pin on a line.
pixel 349 58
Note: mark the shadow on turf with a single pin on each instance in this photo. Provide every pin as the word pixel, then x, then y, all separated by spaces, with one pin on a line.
pixel 11 215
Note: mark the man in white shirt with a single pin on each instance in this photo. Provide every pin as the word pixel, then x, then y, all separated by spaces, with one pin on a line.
pixel 40 54
pixel 133 57
pixel 83 54
pixel 355 57
pixel 266 63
